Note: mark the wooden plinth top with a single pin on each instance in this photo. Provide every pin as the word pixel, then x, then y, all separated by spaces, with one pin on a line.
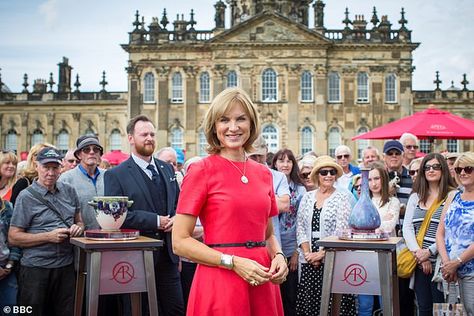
pixel 140 242
pixel 334 242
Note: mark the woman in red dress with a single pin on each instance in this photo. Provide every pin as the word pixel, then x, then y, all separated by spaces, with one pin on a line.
pixel 240 260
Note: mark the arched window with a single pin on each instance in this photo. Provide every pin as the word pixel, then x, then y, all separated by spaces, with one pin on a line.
pixel 425 146
pixel 177 88
pixel 306 86
pixel 115 140
pixel 270 134
pixel 269 85
pixel 334 140
pixel 149 88
pixel 37 137
pixel 391 88
pixel 232 79
pixel 362 143
pixel 202 144
pixel 177 138
pixel 452 145
pixel 362 87
pixel 306 140
pixel 334 90
pixel 62 140
pixel 11 141
pixel 204 87
pixel 89 131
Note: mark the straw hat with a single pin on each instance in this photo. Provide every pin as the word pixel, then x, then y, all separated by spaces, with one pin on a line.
pixel 321 162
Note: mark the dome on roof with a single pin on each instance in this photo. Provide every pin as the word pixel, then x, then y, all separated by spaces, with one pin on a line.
pixel 453 88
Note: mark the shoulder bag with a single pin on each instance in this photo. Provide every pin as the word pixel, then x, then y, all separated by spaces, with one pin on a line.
pixel 406 261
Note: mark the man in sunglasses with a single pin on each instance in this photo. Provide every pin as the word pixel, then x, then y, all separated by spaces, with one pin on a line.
pixel 410 147
pixel 69 161
pixel 343 158
pixel 87 179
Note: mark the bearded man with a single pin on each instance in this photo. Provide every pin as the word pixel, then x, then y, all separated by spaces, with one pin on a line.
pixel 152 185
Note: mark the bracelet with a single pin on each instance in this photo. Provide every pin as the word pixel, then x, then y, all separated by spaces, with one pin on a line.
pixel 460 261
pixel 282 254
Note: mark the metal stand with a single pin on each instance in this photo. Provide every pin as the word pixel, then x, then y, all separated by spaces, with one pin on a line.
pixel 387 264
pixel 91 269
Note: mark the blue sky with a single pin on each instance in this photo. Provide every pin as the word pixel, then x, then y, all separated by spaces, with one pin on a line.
pixel 36 34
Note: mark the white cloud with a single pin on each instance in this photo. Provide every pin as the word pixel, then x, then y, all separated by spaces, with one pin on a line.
pixel 49 10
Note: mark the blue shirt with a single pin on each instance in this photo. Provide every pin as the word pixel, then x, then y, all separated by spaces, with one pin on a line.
pixel 94 178
pixel 459 232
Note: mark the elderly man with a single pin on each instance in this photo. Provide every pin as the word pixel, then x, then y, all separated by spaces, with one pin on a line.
pixel 343 158
pixel 168 154
pixel 393 158
pixel 280 183
pixel 87 178
pixel 46 214
pixel 152 185
pixel 410 147
pixel 69 161
pixel 369 155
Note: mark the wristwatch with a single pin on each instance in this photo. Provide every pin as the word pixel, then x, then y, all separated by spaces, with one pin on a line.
pixel 227 261
pixel 9 266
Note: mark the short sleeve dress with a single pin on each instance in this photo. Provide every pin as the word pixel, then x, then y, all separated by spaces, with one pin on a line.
pixel 230 212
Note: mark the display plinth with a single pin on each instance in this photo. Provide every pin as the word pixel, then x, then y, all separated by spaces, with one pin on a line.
pixel 119 234
pixel 112 267
pixel 351 267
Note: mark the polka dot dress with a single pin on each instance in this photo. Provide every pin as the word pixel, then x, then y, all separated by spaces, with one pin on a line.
pixel 308 300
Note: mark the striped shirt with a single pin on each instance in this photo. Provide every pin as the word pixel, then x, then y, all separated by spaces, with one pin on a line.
pixel 414 216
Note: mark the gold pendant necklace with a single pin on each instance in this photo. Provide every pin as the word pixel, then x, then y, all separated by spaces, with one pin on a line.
pixel 243 178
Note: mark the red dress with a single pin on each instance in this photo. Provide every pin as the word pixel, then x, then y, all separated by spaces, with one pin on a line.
pixel 230 212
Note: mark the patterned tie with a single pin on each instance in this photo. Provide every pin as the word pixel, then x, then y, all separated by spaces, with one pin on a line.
pixel 154 175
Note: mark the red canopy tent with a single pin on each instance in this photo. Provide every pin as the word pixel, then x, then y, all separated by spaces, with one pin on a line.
pixel 428 124
pixel 115 157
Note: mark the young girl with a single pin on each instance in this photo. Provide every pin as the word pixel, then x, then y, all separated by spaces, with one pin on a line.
pixel 389 209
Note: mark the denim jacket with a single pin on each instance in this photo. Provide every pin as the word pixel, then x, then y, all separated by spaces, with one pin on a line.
pixel 7 253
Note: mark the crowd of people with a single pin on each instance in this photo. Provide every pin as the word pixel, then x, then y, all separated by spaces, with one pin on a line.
pixel 240 226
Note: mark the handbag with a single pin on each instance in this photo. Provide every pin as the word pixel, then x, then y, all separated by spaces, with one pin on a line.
pixel 406 261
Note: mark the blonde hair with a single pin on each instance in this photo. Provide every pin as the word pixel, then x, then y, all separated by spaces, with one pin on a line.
pixel 30 170
pixel 466 159
pixel 6 157
pixel 219 106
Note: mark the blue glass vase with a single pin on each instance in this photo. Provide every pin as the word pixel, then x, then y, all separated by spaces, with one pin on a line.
pixel 364 215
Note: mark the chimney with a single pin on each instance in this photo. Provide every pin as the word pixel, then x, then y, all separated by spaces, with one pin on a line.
pixel 64 85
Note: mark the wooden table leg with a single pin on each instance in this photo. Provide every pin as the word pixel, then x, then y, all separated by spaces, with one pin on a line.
pixel 80 283
pixel 327 281
pixel 150 282
pixel 93 279
pixel 388 283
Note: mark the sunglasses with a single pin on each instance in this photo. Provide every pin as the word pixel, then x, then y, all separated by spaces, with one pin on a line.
pixel 435 166
pixel 467 170
pixel 332 172
pixel 411 147
pixel 356 187
pixel 87 150
pixel 412 172
pixel 73 161
pixel 393 153
pixel 305 175
pixel 343 156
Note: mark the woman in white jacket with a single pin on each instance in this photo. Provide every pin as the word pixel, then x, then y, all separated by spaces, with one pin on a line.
pixel 322 212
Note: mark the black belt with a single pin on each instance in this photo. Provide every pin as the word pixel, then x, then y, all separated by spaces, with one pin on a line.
pixel 248 244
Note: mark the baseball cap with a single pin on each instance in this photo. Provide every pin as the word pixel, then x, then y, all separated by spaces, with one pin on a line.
pixel 49 154
pixel 392 144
